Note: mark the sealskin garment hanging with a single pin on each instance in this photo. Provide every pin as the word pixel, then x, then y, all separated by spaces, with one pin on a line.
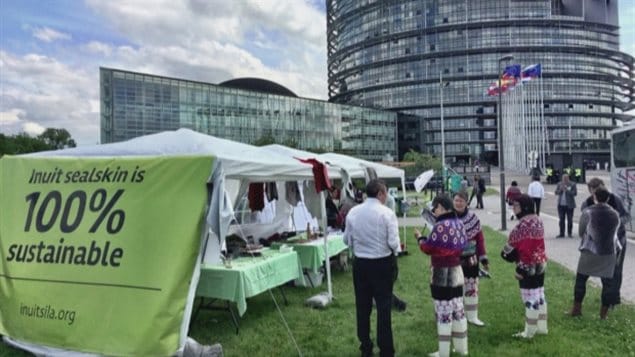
pixel 320 174
pixel 256 196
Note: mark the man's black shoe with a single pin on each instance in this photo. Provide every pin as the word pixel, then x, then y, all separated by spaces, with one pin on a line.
pixel 400 306
pixel 560 236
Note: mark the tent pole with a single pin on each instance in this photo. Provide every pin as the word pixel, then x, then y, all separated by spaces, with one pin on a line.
pixel 327 261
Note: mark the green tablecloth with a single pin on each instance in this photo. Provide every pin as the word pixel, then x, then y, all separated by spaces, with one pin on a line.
pixel 248 276
pixel 312 253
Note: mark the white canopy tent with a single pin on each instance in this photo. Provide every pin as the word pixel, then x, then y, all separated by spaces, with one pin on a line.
pixel 235 166
pixel 357 167
pixel 353 167
pixel 346 168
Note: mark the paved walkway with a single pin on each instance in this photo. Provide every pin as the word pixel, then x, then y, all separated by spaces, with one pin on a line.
pixel 564 250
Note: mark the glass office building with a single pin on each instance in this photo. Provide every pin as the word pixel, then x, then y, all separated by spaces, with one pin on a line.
pixel 391 55
pixel 245 110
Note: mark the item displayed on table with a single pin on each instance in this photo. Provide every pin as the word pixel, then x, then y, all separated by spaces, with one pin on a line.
pixel 234 244
pixel 252 249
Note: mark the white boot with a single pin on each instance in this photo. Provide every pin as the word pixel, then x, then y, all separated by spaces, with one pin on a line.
pixel 542 319
pixel 471 310
pixel 459 336
pixel 444 332
pixel 531 324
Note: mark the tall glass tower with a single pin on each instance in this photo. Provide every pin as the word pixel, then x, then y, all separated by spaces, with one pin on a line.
pixel 405 55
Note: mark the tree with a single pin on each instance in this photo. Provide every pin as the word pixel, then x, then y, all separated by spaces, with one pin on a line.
pixel 21 144
pixel 423 162
pixel 57 138
pixel 50 139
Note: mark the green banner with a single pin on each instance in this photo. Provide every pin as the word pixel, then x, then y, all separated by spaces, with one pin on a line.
pixel 97 253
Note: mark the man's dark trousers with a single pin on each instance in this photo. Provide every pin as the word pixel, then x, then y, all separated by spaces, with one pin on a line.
pixel 373 279
pixel 568 212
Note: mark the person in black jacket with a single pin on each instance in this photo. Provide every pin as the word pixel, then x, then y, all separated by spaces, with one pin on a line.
pixel 617 205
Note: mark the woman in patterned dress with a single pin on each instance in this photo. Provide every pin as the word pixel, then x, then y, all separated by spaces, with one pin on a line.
pixel 473 254
pixel 445 245
pixel 526 248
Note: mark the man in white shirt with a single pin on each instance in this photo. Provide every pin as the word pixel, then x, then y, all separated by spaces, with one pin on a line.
pixel 373 236
pixel 537 192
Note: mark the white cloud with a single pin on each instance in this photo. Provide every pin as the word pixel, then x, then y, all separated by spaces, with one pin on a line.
pixel 206 40
pixel 11 116
pixel 99 48
pixel 47 34
pixel 40 90
pixel 33 129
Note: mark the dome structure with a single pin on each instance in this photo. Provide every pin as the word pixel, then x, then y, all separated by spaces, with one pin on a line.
pixel 258 85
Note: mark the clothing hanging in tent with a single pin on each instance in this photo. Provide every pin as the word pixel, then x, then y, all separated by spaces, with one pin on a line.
pixel 256 196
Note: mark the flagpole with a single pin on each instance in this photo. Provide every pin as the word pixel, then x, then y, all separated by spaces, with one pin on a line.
pixel 501 155
pixel 442 132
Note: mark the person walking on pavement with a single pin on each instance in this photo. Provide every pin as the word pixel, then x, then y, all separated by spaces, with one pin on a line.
pixel 373 236
pixel 478 189
pixel 473 254
pixel 513 192
pixel 537 192
pixel 445 245
pixel 616 203
pixel 598 227
pixel 526 248
pixel 566 192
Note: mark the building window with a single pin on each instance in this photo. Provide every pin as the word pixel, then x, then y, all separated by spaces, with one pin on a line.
pixel 433 47
pixel 460 70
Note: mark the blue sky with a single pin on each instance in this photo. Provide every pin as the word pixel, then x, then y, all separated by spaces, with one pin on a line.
pixel 51 51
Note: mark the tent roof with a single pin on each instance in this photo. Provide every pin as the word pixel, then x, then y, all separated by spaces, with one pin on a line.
pixel 334 171
pixel 356 167
pixel 238 160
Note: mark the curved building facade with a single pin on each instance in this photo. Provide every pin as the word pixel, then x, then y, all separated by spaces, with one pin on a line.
pixel 391 54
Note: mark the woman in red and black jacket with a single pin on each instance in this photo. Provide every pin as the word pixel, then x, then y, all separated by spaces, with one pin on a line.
pixel 526 248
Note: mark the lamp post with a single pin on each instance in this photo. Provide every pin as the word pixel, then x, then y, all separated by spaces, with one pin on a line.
pixel 441 85
pixel 570 154
pixel 501 155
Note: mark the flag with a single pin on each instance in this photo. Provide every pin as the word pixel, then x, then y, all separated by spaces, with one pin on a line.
pixel 512 71
pixel 510 78
pixel 531 72
pixel 492 90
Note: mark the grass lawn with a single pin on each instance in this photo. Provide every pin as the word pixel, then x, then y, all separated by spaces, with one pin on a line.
pixel 491 192
pixel 331 332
